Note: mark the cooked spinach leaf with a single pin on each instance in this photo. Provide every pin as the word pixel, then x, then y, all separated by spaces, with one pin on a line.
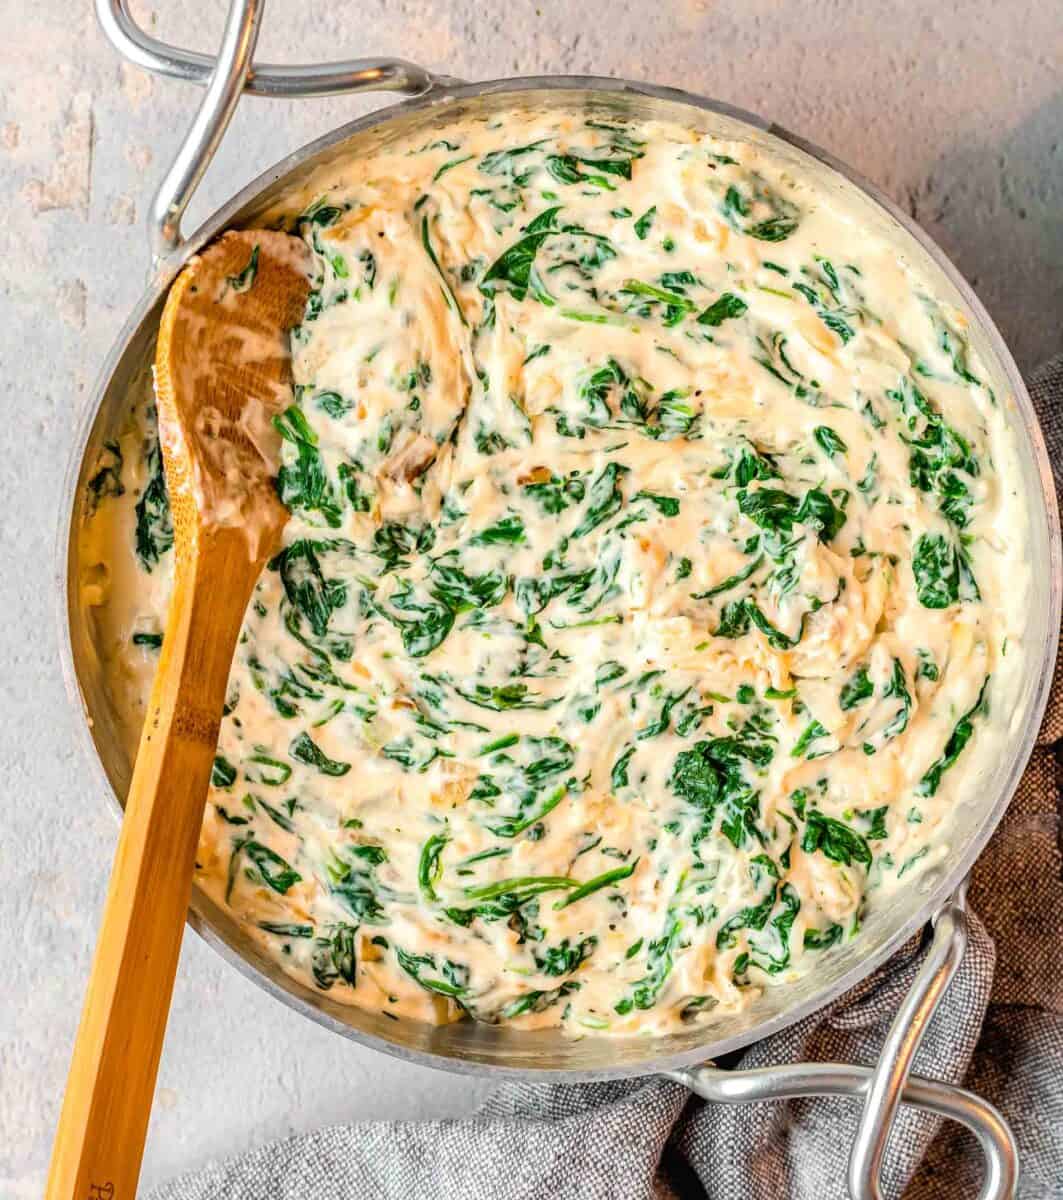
pixel 835 839
pixel 223 773
pixel 564 958
pixel 304 485
pixel 726 308
pixel 606 879
pixel 538 1001
pixel 305 585
pixel 645 223
pixel 352 880
pixel 443 976
pixel 305 750
pixel 829 440
pixel 731 581
pixel 710 777
pixel 939 457
pixel 943 575
pixel 511 271
pixel 954 747
pixel 758 211
pixel 334 956
pixel 604 498
pixel 269 867
pixel 660 958
pixel 856 690
pixel 423 624
pixel 430 865
pixel 154 525
pixel 737 617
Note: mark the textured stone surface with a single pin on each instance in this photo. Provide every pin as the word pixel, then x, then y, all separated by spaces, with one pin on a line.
pixel 955 109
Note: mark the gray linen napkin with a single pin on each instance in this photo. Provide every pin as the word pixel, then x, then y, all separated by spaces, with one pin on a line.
pixel 999 1030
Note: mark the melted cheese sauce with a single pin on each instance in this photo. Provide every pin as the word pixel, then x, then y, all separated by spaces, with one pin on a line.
pixel 653 578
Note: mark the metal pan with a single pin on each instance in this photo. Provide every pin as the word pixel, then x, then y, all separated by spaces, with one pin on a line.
pixel 935 901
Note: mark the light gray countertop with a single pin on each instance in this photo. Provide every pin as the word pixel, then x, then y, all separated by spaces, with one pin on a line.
pixel 954 108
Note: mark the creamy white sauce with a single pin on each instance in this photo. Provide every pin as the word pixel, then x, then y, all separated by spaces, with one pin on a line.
pixel 497 660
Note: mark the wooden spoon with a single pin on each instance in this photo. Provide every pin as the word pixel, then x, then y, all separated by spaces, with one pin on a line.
pixel 222 370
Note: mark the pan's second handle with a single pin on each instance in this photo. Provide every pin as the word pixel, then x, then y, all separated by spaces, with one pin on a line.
pixel 802 1080
pixel 888 1085
pixel 226 78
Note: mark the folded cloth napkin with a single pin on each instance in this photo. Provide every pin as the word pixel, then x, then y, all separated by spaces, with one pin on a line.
pixel 999 1030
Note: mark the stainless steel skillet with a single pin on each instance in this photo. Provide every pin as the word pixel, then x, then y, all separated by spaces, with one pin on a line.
pixel 937 897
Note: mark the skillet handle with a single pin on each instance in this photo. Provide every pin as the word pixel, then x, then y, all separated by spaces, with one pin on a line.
pixel 226 78
pixel 290 82
pixel 884 1087
pixel 909 1026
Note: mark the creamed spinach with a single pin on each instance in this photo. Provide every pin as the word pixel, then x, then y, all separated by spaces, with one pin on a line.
pixel 639 612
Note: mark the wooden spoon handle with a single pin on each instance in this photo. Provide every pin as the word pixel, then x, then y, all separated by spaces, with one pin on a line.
pixel 100 1138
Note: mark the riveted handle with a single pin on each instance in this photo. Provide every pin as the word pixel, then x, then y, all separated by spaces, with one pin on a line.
pixel 886 1086
pixel 226 78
